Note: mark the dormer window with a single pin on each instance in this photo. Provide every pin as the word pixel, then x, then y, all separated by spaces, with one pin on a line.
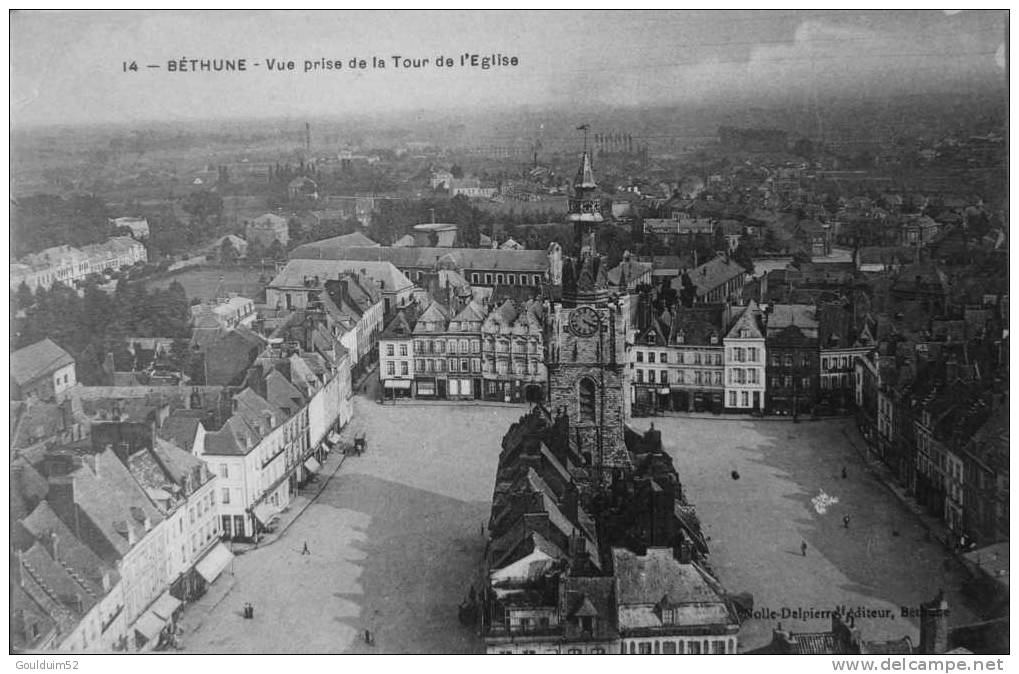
pixel 650 338
pixel 744 333
pixel 714 339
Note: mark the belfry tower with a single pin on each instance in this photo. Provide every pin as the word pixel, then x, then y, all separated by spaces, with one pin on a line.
pixel 587 339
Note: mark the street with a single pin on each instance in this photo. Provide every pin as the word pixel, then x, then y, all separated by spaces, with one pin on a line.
pixel 395 539
pixel 394 542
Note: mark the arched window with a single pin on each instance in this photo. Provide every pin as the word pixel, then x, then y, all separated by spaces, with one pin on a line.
pixel 586 397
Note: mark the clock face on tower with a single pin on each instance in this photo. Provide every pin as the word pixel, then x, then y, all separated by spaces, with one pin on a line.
pixel 584 322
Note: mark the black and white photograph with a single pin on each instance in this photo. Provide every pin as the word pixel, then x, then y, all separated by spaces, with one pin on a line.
pixel 466 332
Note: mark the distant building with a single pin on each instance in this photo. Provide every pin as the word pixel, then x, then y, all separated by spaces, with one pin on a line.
pixel 42 371
pixel 301 280
pixel 139 226
pixel 479 266
pixel 792 370
pixel 302 187
pixel 66 264
pixel 267 228
pixel 470 188
pixel 718 280
pixel 444 233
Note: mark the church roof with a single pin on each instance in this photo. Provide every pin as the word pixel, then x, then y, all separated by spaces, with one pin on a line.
pixel 585 175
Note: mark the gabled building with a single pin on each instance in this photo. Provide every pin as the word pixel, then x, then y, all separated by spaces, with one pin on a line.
pixel 42 371
pixel 267 229
pixel 745 359
pixel 792 370
pixel 670 606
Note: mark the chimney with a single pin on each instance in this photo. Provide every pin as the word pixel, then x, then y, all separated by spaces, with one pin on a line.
pixel 52 544
pixel 685 552
pixel 934 625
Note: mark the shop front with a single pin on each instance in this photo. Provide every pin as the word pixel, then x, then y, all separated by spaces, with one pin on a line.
pixel 394 389
pixel 459 389
pixel 425 388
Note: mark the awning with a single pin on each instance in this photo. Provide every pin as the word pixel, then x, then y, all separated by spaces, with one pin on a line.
pixel 166 605
pixel 149 626
pixel 263 512
pixel 397 383
pixel 426 388
pixel 664 391
pixel 312 465
pixel 213 563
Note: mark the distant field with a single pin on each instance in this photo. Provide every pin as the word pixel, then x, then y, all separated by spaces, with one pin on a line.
pixel 202 282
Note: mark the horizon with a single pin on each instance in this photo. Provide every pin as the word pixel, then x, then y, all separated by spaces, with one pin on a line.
pixel 631 60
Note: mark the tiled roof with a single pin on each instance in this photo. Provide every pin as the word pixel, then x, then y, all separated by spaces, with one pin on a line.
pixel 425 257
pixel 38 360
pixel 714 273
pixel 643 582
pixel 295 272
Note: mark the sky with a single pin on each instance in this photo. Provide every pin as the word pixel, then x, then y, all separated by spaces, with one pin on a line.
pixel 68 67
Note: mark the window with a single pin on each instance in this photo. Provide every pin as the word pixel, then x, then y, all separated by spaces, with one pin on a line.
pixel 697 358
pixel 463 346
pixel 475 278
pixel 573 651
pixel 389 350
pixel 752 357
pixel 695 648
pixel 663 357
pixel 669 648
pixel 452 365
pixel 732 399
pixel 718 647
pixel 744 399
pixel 525 624
pixel 775 360
pixel 512 279
pixel 499 279
pixel 537 279
pixel 640 376
pixel 665 377
pixel 403 350
pixel 475 345
pixel 805 383
pixel 788 360
pixel 465 365
pixel 390 368
pixel 224 471
pixel 651 357
pixel 452 346
pixel 651 340
pixel 651 376
pixel 644 647
pixel 488 279
pixel 640 356
pixel 226 495
pixel 597 651
pixel 403 368
pixel 718 378
pixel 475 365
pixel 586 390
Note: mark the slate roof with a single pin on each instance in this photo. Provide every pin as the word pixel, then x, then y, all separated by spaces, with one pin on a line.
pixel 713 274
pixel 426 257
pixel 114 502
pixel 180 429
pixel 38 360
pixel 749 318
pixel 356 239
pixel 697 324
pixel 87 568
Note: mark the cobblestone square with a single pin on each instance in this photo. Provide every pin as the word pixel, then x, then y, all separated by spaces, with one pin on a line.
pixel 395 536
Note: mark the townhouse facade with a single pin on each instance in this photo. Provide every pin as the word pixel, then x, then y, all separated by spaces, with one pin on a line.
pixel 66 264
pixel 745 359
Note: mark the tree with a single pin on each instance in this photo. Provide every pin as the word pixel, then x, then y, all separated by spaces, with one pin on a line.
pixel 276 250
pixel 256 251
pixel 23 296
pixel 227 252
pixel 744 257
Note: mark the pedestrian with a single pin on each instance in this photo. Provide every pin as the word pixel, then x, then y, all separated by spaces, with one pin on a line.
pixel 845 521
pixel 306 551
pixel 368 637
pixel 844 474
pixel 482 528
pixel 803 548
